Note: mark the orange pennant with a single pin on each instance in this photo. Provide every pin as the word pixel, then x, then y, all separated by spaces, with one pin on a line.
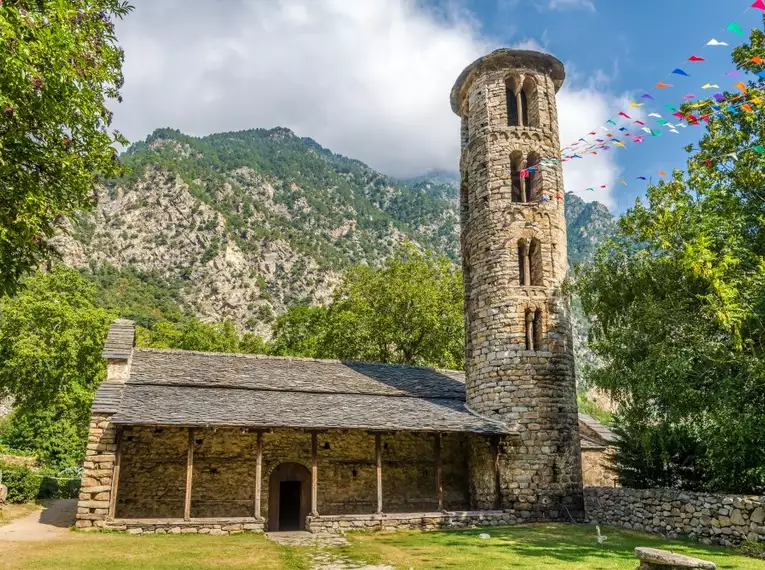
pixel 747 108
pixel 741 86
pixel 756 59
pixel 662 173
pixel 661 85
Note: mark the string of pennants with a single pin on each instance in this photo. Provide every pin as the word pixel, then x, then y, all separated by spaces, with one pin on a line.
pixel 584 145
pixel 718 105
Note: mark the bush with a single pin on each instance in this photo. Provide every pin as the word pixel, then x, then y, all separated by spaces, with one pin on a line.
pixel 59 488
pixel 23 483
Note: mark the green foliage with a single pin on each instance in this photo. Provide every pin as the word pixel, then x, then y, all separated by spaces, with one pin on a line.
pixel 193 334
pixel 678 299
pixel 587 406
pixel 51 336
pixel 409 311
pixel 59 63
pixel 23 483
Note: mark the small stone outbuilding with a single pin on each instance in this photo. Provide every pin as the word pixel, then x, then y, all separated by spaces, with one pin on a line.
pixel 597 443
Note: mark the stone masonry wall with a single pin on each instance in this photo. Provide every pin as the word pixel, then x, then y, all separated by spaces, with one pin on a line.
pixel 532 390
pixel 153 472
pixel 710 518
pixel 597 468
pixel 96 487
pixel 410 521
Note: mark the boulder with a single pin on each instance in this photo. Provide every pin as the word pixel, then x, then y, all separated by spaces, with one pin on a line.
pixel 655 559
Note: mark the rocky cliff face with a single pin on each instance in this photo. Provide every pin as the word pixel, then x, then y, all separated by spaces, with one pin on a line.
pixel 243 225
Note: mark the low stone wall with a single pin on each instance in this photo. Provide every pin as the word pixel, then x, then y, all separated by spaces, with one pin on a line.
pixel 408 521
pixel 199 526
pixel 710 518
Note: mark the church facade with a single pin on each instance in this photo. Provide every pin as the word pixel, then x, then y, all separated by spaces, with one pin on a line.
pixel 195 442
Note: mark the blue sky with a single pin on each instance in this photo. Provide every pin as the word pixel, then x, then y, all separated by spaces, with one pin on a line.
pixel 371 78
pixel 633 44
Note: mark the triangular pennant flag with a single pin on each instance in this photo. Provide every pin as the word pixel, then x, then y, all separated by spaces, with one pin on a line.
pixel 714 42
pixel 719 96
pixel 679 115
pixel 661 85
pixel 639 139
pixel 741 86
pixel 747 108
pixel 710 86
pixel 623 129
pixel 696 58
pixel 623 182
pixel 735 28
pixel 589 189
pixel 661 121
pixel 655 133
pixel 733 155
pixel 640 123
pixel 636 104
pixel 604 186
pixel 655 115
pixel 646 96
pixel 679 71
pixel 756 59
pixel 759 4
pixel 670 107
pixel 646 129
pixel 625 115
pixel 689 96
pixel 611 121
pixel 641 178
pixel 762 74
pixel 733 73
pixel 758 149
pixel 662 173
pixel 674 131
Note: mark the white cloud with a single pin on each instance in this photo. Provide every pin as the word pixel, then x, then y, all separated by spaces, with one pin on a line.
pixel 571 4
pixel 367 79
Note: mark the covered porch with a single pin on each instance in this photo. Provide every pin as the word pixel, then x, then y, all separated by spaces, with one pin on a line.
pixel 236 479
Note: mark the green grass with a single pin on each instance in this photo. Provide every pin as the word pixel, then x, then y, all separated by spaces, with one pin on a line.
pixel 550 546
pixel 587 406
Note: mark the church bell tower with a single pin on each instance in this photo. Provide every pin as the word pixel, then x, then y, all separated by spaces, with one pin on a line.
pixel 519 361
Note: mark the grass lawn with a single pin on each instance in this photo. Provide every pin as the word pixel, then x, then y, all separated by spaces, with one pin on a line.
pixel 554 546
pixel 557 546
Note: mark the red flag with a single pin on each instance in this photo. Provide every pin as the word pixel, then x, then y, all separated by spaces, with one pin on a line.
pixel 759 4
pixel 696 58
pixel 625 115
pixel 640 123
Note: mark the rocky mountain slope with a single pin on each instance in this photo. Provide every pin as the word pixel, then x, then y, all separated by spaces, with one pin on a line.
pixel 243 225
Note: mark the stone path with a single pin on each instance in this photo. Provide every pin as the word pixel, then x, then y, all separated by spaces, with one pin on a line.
pixel 325 556
pixel 48 524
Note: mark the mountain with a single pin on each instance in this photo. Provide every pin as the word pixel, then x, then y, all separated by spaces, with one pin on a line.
pixel 243 225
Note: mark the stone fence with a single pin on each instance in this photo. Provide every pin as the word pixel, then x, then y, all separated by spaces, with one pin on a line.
pixel 719 519
pixel 408 521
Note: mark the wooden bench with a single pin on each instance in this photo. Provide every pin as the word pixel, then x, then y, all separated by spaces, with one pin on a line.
pixel 656 559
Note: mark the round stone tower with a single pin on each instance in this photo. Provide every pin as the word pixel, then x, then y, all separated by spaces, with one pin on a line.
pixel 519 361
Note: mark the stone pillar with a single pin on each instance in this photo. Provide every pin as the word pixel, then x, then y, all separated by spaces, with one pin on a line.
pixel 97 472
pixel 532 391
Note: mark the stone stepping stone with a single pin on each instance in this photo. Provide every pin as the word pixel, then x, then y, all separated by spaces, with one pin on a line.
pixel 656 559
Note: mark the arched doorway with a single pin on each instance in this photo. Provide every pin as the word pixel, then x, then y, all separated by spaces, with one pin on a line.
pixel 289 497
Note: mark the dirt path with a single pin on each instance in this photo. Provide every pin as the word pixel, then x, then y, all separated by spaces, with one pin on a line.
pixel 48 524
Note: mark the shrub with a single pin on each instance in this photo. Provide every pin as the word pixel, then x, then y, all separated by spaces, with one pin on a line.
pixel 23 483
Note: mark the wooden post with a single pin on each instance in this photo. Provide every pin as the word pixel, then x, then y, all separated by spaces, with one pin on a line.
pixel 115 473
pixel 258 473
pixel 189 475
pixel 378 457
pixel 439 474
pixel 314 475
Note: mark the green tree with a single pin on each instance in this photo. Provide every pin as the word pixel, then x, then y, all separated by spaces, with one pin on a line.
pixel 678 300
pixel 59 63
pixel 409 311
pixel 192 334
pixel 51 337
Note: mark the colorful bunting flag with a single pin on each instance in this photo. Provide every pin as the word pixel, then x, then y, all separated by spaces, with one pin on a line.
pixel 662 173
pixel 741 86
pixel 640 123
pixel 689 96
pixel 679 71
pixel 642 178
pixel 759 4
pixel 624 182
pixel 696 58
pixel 747 108
pixel 636 104
pixel 612 122
pixel 655 115
pixel 756 59
pixel 733 73
pixel 661 85
pixel 719 96
pixel 710 86
pixel 646 96
pixel 714 42
pixel 625 115
pixel 735 28
pixel 758 149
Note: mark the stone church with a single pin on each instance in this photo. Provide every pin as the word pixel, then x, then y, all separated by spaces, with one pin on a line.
pixel 218 443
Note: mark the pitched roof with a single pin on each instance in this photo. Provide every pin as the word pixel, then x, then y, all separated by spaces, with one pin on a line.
pixel 176 387
pixel 595 431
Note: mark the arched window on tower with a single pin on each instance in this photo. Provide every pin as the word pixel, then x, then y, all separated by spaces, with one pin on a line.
pixel 524 104
pixel 513 114
pixel 533 329
pixel 530 273
pixel 518 193
pixel 530 102
pixel 534 178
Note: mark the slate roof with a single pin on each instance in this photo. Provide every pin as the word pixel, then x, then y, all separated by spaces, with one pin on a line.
pixel 596 431
pixel 185 388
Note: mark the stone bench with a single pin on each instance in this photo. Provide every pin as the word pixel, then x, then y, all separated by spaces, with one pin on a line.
pixel 655 559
